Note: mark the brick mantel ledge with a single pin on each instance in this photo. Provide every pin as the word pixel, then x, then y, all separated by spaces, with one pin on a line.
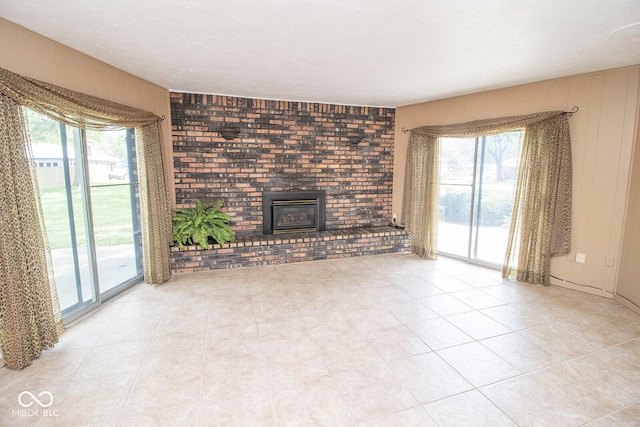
pixel 259 250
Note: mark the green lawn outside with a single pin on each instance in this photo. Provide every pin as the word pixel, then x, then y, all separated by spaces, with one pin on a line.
pixel 111 216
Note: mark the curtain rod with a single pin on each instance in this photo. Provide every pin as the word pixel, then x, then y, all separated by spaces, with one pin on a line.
pixel 574 110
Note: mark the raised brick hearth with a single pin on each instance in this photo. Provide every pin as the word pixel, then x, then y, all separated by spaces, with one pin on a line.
pixel 284 146
pixel 267 250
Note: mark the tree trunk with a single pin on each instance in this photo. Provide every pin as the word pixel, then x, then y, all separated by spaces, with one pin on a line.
pixel 499 173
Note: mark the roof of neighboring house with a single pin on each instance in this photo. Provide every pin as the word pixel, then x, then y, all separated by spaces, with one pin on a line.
pixel 54 151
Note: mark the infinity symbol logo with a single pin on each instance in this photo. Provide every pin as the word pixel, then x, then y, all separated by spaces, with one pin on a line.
pixel 42 402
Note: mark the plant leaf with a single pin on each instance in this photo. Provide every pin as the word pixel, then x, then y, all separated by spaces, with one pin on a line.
pixel 199 223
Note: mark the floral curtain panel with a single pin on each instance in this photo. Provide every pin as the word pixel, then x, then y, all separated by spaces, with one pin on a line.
pixel 541 219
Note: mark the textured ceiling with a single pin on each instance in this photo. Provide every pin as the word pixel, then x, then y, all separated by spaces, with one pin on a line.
pixel 357 52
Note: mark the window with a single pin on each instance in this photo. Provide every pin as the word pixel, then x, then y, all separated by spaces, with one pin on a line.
pixel 477 177
pixel 92 221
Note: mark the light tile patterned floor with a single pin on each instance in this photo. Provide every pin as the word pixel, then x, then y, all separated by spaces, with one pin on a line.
pixel 389 340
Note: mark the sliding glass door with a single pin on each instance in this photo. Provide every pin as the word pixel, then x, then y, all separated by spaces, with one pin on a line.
pixel 477 177
pixel 89 193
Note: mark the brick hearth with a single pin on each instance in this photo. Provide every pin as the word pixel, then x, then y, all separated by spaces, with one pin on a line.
pixel 267 250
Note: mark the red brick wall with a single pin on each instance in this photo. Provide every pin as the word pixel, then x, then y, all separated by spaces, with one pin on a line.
pixel 282 146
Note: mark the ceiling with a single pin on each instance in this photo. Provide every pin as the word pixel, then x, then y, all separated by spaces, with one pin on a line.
pixel 355 52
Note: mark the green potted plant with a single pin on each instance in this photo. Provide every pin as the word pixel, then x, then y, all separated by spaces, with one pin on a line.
pixel 198 224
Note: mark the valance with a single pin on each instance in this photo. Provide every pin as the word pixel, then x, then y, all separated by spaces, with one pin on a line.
pixel 70 107
pixel 485 127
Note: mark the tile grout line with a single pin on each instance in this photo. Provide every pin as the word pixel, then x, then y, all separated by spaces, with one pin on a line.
pixel 139 371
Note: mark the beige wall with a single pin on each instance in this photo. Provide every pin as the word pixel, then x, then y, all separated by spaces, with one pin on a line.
pixel 602 134
pixel 32 55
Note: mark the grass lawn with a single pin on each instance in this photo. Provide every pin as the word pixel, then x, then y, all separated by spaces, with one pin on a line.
pixel 111 216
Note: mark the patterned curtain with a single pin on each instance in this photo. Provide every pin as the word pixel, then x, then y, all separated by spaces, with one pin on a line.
pixel 541 219
pixel 22 320
pixel 30 317
pixel 156 223
pixel 422 189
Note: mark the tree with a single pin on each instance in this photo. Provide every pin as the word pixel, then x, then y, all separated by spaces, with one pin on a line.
pixel 501 145
pixel 42 129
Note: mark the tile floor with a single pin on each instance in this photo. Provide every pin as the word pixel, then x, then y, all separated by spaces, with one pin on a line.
pixel 388 340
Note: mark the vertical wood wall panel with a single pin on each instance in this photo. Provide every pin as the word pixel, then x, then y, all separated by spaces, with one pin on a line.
pixel 604 177
pixel 628 285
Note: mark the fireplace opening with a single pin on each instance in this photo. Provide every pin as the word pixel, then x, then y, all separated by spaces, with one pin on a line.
pixel 292 211
pixel 296 214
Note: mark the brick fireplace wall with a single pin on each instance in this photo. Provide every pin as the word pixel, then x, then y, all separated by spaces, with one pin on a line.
pixel 282 146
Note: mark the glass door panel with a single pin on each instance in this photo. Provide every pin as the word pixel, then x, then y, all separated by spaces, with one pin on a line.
pixel 495 178
pixel 60 179
pixel 114 195
pixel 456 189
